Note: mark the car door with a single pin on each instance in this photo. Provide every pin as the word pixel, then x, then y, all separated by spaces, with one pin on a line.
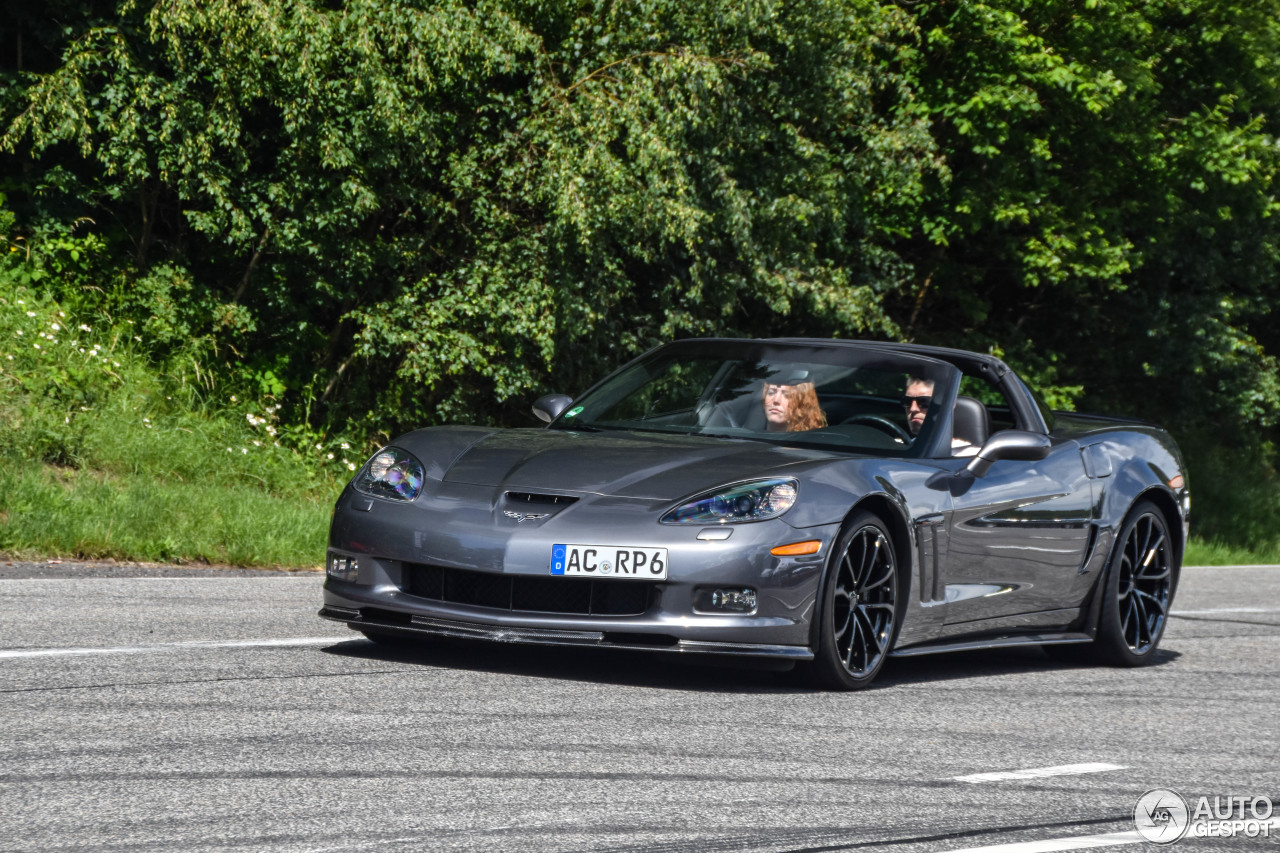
pixel 1017 540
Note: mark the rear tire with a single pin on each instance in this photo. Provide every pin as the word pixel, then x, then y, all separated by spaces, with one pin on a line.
pixel 858 607
pixel 1141 579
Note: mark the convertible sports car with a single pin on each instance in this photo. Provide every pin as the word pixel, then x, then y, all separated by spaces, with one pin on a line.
pixel 830 503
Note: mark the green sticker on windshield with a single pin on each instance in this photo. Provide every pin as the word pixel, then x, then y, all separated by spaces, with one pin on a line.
pixel 575 411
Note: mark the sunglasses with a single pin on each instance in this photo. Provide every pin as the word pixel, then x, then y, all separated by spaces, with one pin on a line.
pixel 922 402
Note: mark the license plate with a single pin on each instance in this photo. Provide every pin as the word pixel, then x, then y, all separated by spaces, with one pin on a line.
pixel 609 561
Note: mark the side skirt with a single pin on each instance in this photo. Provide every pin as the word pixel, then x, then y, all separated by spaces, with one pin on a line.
pixel 995 642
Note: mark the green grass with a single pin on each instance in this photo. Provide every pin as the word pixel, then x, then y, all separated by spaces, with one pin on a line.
pixel 108 451
pixel 55 512
pixel 1203 553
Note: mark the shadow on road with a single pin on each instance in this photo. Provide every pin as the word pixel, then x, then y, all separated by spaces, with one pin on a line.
pixel 954 666
pixel 599 666
pixel 704 674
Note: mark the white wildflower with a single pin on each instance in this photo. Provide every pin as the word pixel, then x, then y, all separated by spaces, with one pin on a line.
pixel 351 466
pixel 330 455
pixel 346 446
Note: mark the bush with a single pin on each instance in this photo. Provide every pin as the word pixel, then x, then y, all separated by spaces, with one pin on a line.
pixel 116 443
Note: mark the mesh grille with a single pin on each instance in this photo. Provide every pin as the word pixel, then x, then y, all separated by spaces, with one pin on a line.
pixel 529 593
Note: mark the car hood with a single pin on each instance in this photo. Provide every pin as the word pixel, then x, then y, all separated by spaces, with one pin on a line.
pixel 619 464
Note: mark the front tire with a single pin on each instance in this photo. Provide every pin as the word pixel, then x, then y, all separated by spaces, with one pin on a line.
pixel 858 608
pixel 1141 580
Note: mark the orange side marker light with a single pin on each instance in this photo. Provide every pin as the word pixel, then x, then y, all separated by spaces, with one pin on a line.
pixel 796 549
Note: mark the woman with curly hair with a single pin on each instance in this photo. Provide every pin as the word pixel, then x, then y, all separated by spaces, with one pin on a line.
pixel 791 408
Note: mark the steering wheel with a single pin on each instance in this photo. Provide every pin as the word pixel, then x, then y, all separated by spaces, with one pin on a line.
pixel 882 424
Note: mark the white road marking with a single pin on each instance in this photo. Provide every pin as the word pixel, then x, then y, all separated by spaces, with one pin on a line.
pixel 1041 772
pixel 1243 566
pixel 1225 610
pixel 1051 845
pixel 307 575
pixel 1084 842
pixel 168 647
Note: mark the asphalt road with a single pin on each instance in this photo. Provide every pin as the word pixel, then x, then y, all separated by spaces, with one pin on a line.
pixel 158 709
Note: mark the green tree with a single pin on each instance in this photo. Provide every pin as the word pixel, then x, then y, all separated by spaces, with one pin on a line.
pixel 395 213
pixel 440 205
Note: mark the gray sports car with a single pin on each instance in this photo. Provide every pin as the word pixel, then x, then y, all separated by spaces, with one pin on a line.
pixel 830 503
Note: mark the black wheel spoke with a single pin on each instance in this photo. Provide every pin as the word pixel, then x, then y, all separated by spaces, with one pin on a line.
pixel 1151 549
pixel 1142 590
pixel 884 580
pixel 863 602
pixel 864 565
pixel 869 628
pixel 842 621
pixel 1148 601
pixel 875 605
pixel 1127 619
pixel 856 643
pixel 1143 633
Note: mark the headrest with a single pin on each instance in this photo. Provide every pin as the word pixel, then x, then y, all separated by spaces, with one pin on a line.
pixel 972 423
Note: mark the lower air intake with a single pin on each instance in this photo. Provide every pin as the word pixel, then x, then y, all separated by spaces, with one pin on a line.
pixel 528 593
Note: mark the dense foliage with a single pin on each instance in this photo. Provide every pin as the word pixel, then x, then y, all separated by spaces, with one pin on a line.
pixel 377 214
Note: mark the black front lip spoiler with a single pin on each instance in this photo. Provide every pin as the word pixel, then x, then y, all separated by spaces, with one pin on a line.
pixel 430 625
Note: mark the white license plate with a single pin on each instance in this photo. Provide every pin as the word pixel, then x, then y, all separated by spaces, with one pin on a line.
pixel 609 561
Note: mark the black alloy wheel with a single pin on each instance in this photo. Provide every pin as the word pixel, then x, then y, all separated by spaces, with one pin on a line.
pixel 1140 585
pixel 859 606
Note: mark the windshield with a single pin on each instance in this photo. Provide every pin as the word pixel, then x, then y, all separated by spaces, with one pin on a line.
pixel 836 397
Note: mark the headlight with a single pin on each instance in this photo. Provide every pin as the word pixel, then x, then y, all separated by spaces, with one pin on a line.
pixel 391 473
pixel 754 501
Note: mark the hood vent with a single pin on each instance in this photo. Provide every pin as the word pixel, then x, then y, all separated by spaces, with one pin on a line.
pixel 536 499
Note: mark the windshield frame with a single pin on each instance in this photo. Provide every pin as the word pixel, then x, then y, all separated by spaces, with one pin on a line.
pixel 934 440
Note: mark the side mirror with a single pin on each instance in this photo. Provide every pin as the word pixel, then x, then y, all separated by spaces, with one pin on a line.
pixel 549 406
pixel 1009 444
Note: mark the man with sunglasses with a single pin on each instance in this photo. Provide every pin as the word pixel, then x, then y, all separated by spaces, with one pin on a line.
pixel 916 400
